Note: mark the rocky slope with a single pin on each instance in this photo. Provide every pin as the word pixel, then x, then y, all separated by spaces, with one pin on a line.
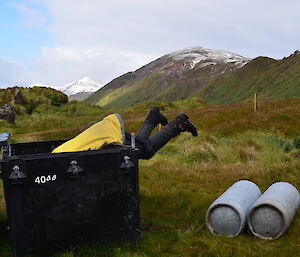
pixel 81 89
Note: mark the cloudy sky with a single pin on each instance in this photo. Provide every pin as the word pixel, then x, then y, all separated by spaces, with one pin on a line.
pixel 54 42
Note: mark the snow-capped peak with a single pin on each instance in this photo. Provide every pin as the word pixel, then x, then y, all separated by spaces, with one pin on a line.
pixel 199 54
pixel 87 85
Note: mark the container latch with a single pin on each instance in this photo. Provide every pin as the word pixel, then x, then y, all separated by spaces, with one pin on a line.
pixel 17 175
pixel 127 163
pixel 74 170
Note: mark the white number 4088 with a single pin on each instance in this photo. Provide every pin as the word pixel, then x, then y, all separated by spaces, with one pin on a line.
pixel 44 179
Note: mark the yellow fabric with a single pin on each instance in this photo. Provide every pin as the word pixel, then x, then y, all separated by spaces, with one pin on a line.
pixel 99 135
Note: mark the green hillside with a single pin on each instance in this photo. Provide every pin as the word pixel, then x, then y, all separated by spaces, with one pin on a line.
pixel 146 89
pixel 267 77
pixel 174 76
pixel 155 86
pixel 216 84
pixel 25 100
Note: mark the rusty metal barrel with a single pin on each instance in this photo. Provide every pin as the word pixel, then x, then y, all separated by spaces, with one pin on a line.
pixel 272 213
pixel 227 215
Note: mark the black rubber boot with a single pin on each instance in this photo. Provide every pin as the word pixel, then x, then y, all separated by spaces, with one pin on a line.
pixel 152 120
pixel 174 128
pixel 184 124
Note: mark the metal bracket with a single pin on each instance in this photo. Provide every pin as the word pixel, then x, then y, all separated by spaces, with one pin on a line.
pixel 17 175
pixel 132 140
pixel 127 163
pixel 74 170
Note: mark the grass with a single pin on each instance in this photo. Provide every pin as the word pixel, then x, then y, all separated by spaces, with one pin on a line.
pixel 179 183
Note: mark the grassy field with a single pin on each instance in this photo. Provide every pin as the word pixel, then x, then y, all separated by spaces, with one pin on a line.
pixel 188 174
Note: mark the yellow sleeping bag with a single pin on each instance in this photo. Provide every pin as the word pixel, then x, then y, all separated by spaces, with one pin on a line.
pixel 101 134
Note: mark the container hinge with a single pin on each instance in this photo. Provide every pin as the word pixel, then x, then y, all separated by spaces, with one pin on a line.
pixel 74 170
pixel 127 163
pixel 17 175
pixel 7 151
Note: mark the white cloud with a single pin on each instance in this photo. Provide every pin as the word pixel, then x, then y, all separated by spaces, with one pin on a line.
pixel 60 65
pixel 11 74
pixel 104 39
pixel 261 27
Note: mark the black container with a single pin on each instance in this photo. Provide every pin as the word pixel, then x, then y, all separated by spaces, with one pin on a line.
pixel 59 200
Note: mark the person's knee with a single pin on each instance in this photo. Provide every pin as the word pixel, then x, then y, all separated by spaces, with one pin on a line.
pixel 146 150
pixel 145 155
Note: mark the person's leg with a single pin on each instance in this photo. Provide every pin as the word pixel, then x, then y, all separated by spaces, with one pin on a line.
pixel 179 124
pixel 152 120
pixel 149 147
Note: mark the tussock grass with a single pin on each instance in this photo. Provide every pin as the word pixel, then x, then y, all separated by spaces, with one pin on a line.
pixel 180 182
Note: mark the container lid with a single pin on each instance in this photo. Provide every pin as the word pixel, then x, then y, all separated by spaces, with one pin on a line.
pixel 224 220
pixel 266 222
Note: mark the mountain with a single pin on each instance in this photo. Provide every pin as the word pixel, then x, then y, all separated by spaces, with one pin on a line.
pixel 79 89
pixel 174 76
pixel 267 77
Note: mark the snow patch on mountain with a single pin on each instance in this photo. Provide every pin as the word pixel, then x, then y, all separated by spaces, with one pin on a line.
pixel 199 54
pixel 87 85
pixel 206 64
pixel 77 90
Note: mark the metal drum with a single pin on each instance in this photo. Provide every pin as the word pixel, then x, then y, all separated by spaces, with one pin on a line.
pixel 227 215
pixel 273 212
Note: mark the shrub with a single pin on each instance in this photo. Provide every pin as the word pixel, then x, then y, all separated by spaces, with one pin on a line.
pixel 146 106
pixel 31 106
pixel 282 143
pixel 31 98
pixel 296 142
pixel 201 156
pixel 246 154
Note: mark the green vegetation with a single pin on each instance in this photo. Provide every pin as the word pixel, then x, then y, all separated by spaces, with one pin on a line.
pixel 155 86
pixel 26 100
pixel 179 183
pixel 53 122
pixel 269 78
pixel 266 77
pixel 194 102
pixel 148 88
